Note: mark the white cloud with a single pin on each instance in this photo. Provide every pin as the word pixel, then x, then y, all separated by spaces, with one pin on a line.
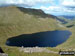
pixel 63 6
pixel 52 8
pixel 57 9
pixel 69 3
pixel 26 2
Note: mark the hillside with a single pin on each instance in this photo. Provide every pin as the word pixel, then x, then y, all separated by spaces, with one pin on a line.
pixel 70 44
pixel 70 24
pixel 15 21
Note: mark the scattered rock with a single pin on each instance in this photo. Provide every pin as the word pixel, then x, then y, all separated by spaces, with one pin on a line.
pixel 35 49
pixel 3 54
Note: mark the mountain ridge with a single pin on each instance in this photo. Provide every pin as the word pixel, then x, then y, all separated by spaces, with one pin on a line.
pixel 36 12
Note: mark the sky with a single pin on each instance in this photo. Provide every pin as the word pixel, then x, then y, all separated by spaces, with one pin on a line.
pixel 54 7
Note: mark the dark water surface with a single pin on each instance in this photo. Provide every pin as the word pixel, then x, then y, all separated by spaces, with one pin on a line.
pixel 41 39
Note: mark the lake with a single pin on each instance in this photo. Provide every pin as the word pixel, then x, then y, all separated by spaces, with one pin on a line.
pixel 40 39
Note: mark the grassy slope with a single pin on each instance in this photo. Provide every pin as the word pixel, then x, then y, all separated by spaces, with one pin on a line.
pixel 14 22
pixel 70 44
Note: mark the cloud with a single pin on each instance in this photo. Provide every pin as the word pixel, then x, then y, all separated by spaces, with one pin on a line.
pixel 57 9
pixel 49 6
pixel 68 3
pixel 25 2
pixel 52 8
pixel 64 7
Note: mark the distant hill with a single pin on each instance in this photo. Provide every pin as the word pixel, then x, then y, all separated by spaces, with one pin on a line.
pixel 62 20
pixel 67 16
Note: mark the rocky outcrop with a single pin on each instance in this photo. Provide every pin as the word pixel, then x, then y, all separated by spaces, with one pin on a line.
pixel 1 51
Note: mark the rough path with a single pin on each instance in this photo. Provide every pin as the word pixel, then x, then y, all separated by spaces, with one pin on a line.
pixel 3 54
